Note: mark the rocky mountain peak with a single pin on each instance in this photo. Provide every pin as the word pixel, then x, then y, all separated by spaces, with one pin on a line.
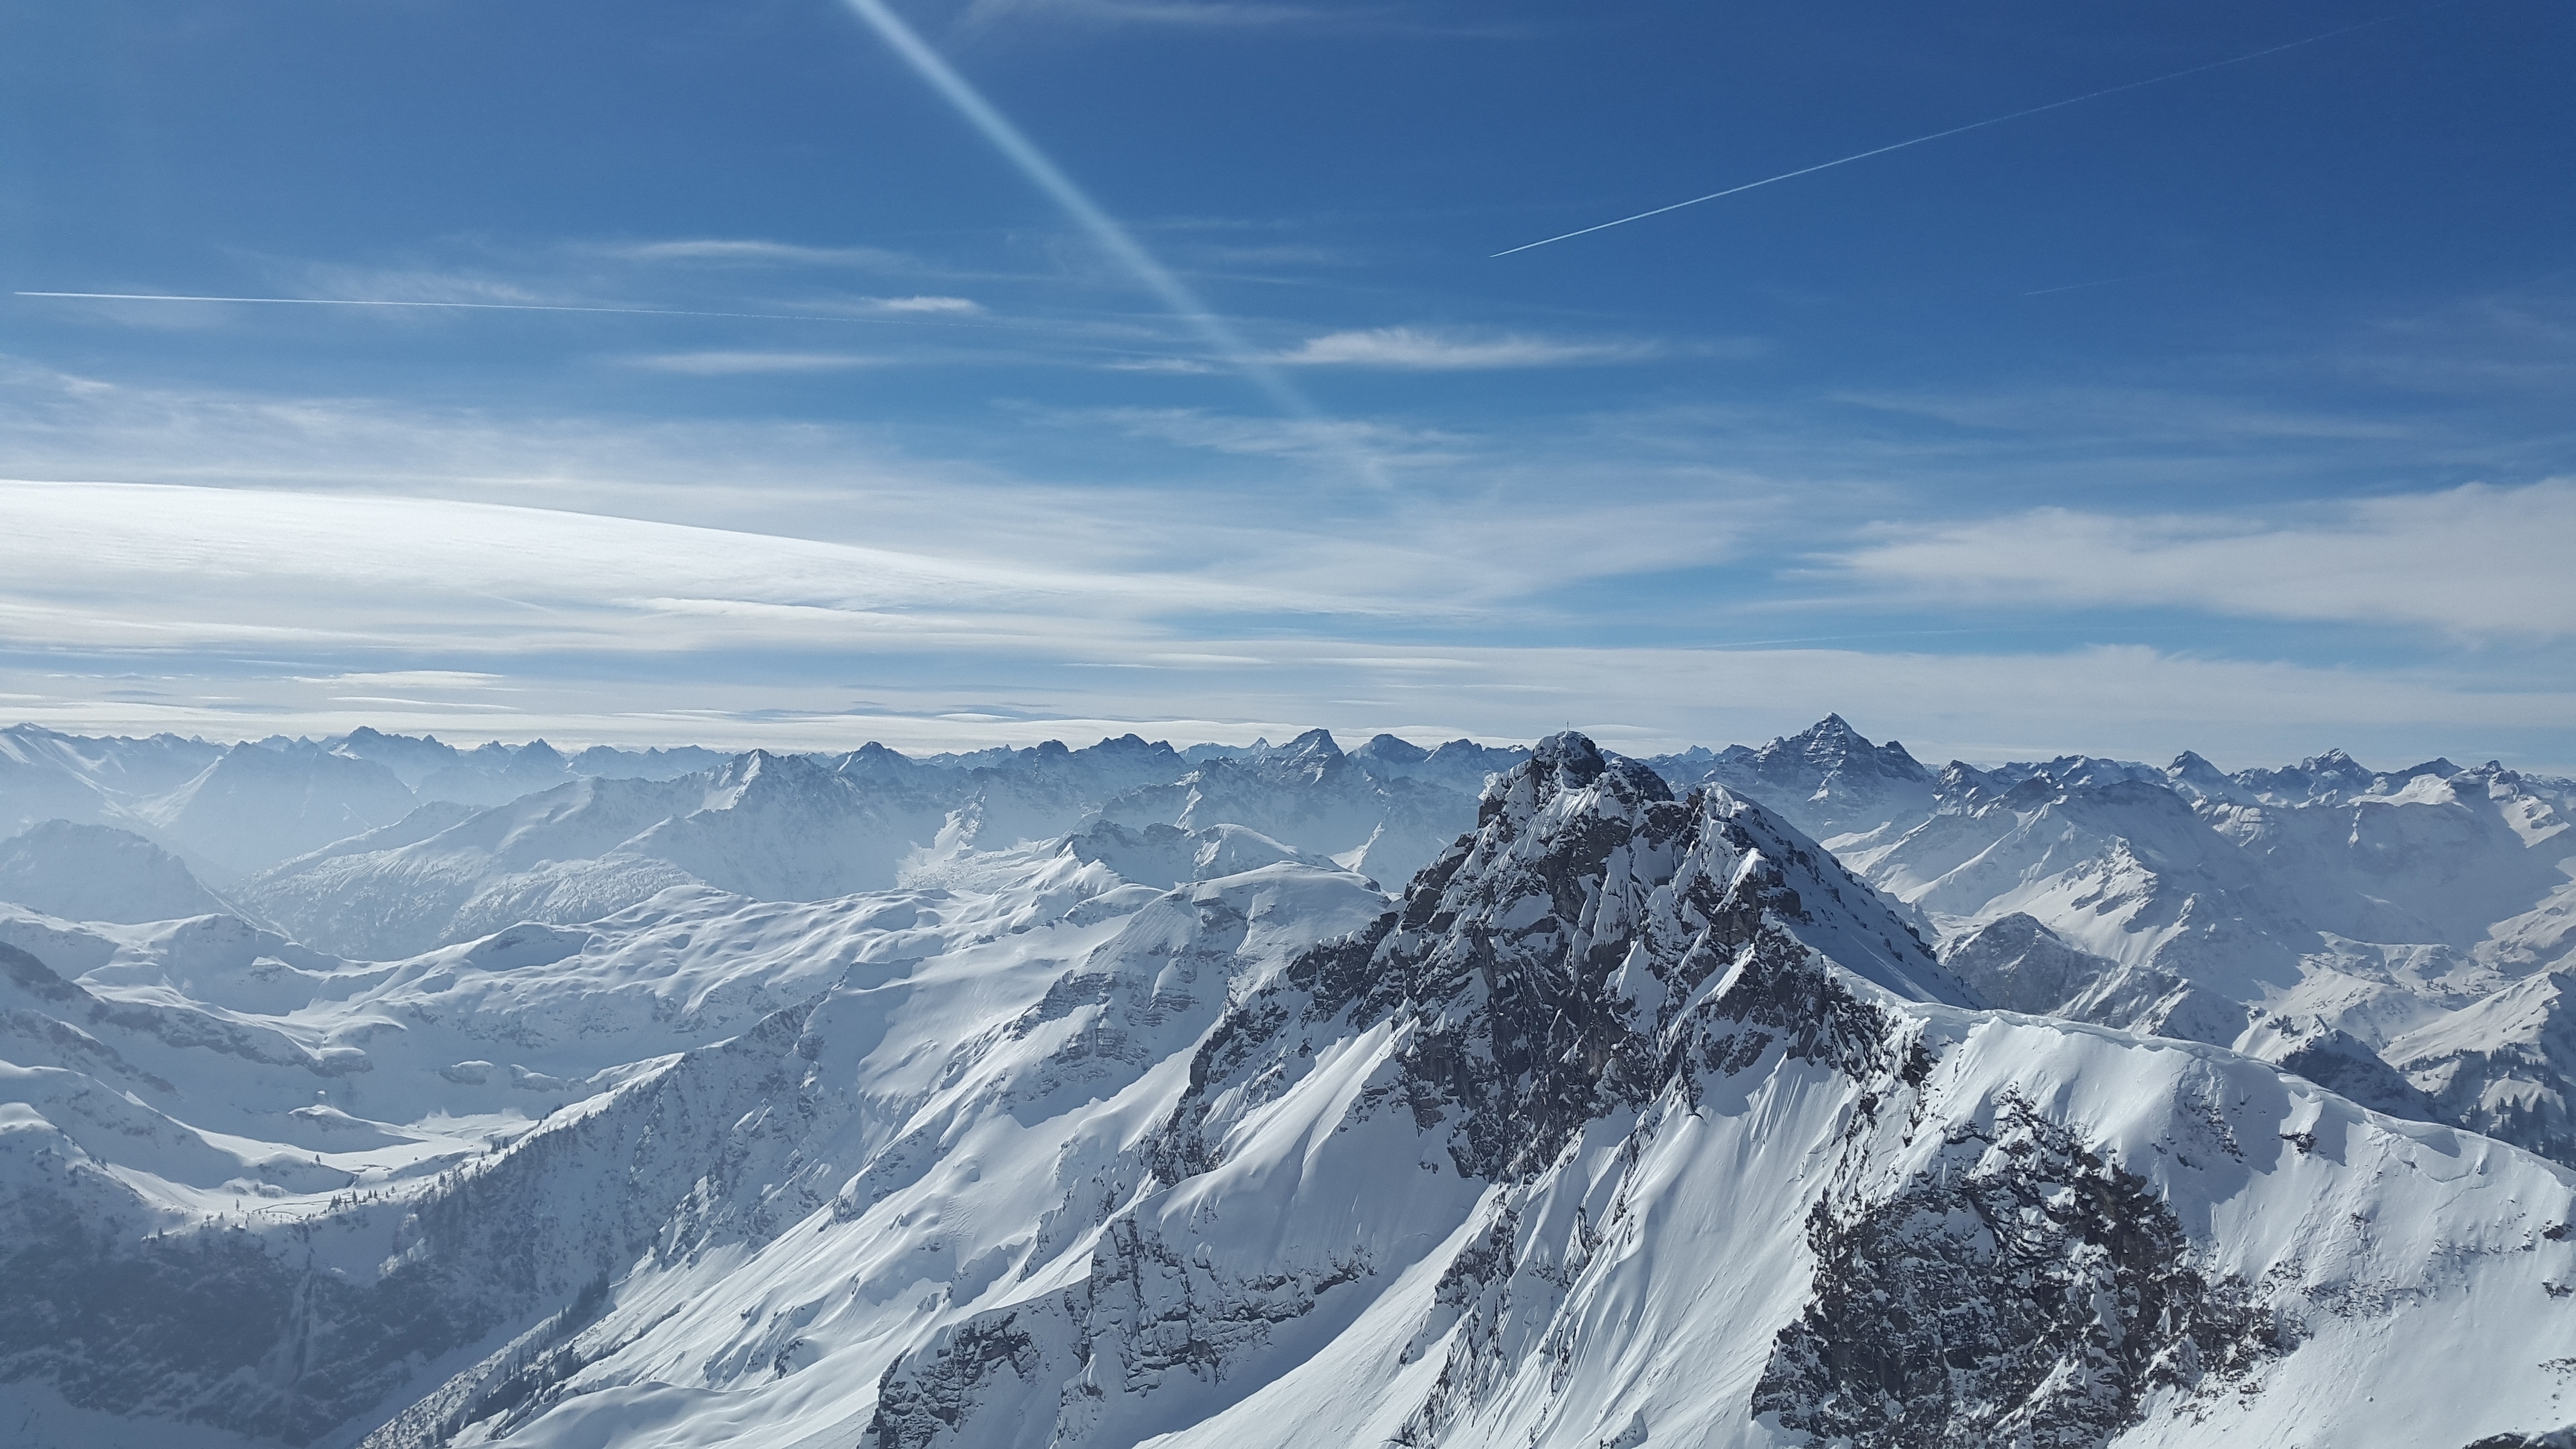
pixel 1541 966
pixel 760 773
pixel 1832 746
pixel 2316 780
pixel 2199 781
pixel 1567 762
pixel 1316 744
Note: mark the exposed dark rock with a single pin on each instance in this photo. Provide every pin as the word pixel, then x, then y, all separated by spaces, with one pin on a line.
pixel 2022 1291
pixel 1544 965
pixel 923 1394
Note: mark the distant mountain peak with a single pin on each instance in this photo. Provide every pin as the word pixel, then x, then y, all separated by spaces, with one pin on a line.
pixel 1388 748
pixel 1316 742
pixel 1831 742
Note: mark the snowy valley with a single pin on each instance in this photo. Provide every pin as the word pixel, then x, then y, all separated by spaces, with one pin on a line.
pixel 372 1092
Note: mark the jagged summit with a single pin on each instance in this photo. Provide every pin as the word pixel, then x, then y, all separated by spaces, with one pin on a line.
pixel 2318 779
pixel 1309 755
pixel 1831 744
pixel 1567 931
pixel 2199 781
pixel 1827 779
pixel 1565 763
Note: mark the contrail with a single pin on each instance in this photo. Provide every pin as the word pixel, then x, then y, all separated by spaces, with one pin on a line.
pixel 1937 135
pixel 470 306
pixel 1044 173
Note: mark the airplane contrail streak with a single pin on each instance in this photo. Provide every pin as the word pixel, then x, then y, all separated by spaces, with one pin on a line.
pixel 469 306
pixel 1953 131
pixel 1113 238
pixel 2080 286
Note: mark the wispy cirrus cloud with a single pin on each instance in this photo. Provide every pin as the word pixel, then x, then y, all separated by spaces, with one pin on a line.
pixel 410 284
pixel 2473 560
pixel 749 251
pixel 928 306
pixel 1419 349
pixel 1304 438
pixel 842 544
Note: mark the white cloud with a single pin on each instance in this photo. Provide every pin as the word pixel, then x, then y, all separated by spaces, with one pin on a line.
pixel 795 583
pixel 126 566
pixel 401 284
pixel 1430 350
pixel 939 306
pixel 2473 560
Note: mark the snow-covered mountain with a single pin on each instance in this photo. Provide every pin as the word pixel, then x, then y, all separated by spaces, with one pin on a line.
pixel 784 827
pixel 1309 795
pixel 1632 1120
pixel 98 873
pixel 767 826
pixel 256 804
pixel 492 773
pixel 1827 779
pixel 230 811
pixel 46 775
pixel 2316 915
pixel 1460 765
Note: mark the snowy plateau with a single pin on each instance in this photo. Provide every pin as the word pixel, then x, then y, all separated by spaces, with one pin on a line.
pixel 370 1093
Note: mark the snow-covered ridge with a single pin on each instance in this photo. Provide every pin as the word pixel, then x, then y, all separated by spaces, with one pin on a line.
pixel 384 845
pixel 1637 1116
pixel 2394 931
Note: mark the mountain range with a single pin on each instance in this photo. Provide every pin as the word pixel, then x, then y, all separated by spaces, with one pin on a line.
pixel 1792 1095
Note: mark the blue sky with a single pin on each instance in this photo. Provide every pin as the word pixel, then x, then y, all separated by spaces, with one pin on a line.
pixel 2228 412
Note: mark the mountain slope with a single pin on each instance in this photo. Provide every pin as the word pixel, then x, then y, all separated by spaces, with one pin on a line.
pixel 771 827
pixel 1635 1120
pixel 1663 1082
pixel 98 873
pixel 254 806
